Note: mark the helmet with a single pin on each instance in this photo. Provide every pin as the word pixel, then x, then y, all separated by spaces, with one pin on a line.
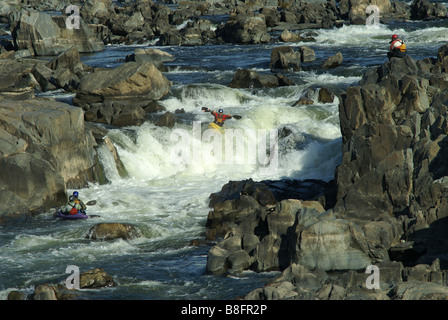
pixel 71 198
pixel 76 194
pixel 394 37
pixel 220 111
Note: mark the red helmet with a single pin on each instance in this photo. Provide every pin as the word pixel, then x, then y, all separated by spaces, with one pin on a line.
pixel 394 37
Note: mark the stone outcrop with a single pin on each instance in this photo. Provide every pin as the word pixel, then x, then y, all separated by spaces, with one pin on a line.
pixel 45 148
pixel 16 80
pixel 387 207
pixel 261 234
pixel 45 35
pixel 118 96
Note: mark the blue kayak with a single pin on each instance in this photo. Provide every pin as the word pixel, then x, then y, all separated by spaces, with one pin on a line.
pixel 77 216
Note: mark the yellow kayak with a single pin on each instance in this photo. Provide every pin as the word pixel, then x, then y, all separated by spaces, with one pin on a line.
pixel 213 125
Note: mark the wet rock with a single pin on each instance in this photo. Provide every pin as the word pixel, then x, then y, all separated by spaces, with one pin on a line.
pixel 245 29
pixel 17 295
pixel 333 61
pixel 166 120
pixel 96 278
pixel 43 76
pixel 111 231
pixel 155 56
pixel 118 96
pixel 285 58
pixel 44 149
pixel 246 78
pixel 288 36
pixel 307 54
pixel 424 9
pixel 16 80
pixel 419 290
pixel 44 292
pixel 326 95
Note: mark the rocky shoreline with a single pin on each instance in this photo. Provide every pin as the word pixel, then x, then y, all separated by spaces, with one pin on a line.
pixel 389 201
pixel 386 206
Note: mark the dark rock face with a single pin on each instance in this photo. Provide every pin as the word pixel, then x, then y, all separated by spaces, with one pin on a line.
pixel 389 207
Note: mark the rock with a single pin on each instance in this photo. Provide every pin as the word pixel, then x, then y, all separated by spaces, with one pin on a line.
pixel 97 11
pixel 44 149
pixel 16 80
pixel 96 278
pixel 307 54
pixel 246 78
pixel 419 290
pixel 244 29
pixel 325 95
pixel 166 120
pixel 288 36
pixel 357 8
pixel 424 9
pixel 155 56
pixel 45 35
pixel 285 58
pixel 44 292
pixel 170 37
pixel 67 70
pixel 43 76
pixel 408 252
pixel 92 279
pixel 118 96
pixel 333 61
pixel 16 295
pixel 110 231
pixel 68 59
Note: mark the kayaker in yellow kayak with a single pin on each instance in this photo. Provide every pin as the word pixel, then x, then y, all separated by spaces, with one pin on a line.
pixel 220 117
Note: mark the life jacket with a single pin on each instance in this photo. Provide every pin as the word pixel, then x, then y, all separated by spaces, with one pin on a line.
pixel 219 119
pixel 73 210
pixel 398 44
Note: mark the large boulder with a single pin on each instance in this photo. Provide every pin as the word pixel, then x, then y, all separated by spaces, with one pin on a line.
pixel 16 80
pixel 45 35
pixel 247 29
pixel 44 149
pixel 394 131
pixel 118 96
pixel 262 234
pixel 247 78
pixel 285 58
pixel 111 231
pixel 424 9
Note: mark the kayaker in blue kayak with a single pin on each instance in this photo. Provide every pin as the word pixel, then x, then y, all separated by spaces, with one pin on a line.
pixel 72 207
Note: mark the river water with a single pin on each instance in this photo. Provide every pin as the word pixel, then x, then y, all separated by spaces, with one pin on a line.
pixel 168 200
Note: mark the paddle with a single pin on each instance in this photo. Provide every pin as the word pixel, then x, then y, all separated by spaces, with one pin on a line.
pixel 91 203
pixel 204 109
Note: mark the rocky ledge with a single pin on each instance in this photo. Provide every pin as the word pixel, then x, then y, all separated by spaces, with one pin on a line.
pixel 386 207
